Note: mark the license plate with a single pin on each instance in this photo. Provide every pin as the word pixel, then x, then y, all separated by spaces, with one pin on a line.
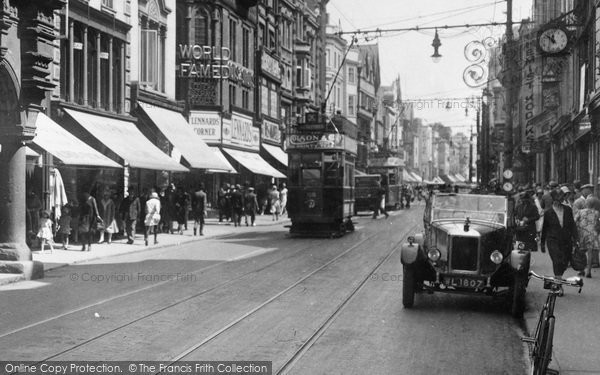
pixel 464 282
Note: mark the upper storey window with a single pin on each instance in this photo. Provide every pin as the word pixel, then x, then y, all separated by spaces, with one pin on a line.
pixel 152 45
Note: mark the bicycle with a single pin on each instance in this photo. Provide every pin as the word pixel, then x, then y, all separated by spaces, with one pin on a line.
pixel 540 345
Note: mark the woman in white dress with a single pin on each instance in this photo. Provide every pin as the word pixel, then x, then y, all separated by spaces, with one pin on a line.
pixel 152 217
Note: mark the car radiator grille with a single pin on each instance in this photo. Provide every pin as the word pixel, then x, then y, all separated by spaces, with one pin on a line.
pixel 464 253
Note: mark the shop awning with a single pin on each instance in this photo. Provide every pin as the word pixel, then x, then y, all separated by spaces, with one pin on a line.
pixel 415 176
pixel 179 132
pixel 222 157
pixel 277 153
pixel 406 177
pixel 29 152
pixel 64 146
pixel 127 141
pixel 446 179
pixel 459 177
pixel 254 163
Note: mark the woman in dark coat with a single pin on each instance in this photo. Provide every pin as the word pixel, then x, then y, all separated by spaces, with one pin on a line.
pixel 559 233
pixel 87 220
pixel 526 214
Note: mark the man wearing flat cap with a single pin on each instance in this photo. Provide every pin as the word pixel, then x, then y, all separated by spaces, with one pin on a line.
pixel 526 214
pixel 579 204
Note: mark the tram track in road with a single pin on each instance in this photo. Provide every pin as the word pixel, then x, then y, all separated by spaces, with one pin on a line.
pixel 322 327
pixel 55 320
pixel 289 364
pixel 154 312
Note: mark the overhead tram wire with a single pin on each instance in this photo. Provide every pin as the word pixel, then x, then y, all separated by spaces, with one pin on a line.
pixel 459 11
pixel 378 31
pixel 324 104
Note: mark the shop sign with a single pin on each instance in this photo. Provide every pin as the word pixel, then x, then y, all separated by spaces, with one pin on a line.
pixel 597 53
pixel 196 61
pixel 542 124
pixel 584 126
pixel 565 141
pixel 392 161
pixel 271 132
pixel 529 94
pixel 241 132
pixel 206 124
pixel 270 66
pixel 240 74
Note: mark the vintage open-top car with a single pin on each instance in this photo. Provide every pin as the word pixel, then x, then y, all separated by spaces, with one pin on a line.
pixel 467 247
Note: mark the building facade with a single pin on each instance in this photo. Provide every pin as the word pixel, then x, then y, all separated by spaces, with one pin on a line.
pixel 26 53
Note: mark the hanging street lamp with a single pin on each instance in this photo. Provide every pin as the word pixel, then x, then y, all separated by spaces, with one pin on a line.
pixel 436 57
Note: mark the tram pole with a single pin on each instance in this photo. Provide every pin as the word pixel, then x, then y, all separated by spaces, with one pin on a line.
pixel 509 85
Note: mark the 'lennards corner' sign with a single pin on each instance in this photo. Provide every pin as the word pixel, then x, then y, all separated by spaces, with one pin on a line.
pixel 196 61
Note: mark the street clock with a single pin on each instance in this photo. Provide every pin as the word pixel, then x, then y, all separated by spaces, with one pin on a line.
pixel 507 174
pixel 553 40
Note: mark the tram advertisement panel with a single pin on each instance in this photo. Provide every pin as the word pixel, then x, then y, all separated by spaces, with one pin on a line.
pixel 321 141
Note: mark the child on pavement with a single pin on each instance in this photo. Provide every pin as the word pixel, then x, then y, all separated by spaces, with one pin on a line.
pixel 64 226
pixel 45 231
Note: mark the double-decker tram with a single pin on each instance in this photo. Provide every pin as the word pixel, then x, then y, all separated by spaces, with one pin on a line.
pixel 390 169
pixel 322 154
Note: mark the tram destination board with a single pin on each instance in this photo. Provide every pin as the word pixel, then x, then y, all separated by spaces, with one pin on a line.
pixel 311 127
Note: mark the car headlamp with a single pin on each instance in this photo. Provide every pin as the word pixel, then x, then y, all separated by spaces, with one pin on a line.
pixel 496 257
pixel 434 254
pixel 521 245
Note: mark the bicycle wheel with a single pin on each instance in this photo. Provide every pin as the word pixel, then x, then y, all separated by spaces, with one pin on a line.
pixel 537 332
pixel 539 355
pixel 546 350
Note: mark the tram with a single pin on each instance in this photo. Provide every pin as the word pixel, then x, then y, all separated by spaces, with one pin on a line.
pixel 390 169
pixel 321 155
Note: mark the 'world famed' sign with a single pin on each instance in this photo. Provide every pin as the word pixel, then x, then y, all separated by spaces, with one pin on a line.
pixel 196 61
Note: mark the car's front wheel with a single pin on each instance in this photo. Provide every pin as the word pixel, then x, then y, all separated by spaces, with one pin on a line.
pixel 518 296
pixel 408 287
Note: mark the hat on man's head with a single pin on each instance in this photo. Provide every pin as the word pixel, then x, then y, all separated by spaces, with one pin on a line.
pixel 588 186
pixel 154 195
pixel 250 188
pixel 553 184
pixel 565 189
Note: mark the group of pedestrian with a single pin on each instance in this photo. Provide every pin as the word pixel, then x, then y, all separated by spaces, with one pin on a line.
pixel 562 219
pixel 99 220
pixel 236 202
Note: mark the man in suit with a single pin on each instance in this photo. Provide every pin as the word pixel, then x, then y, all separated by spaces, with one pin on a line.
pixel 559 233
pixel 199 209
pixel 237 205
pixel 250 205
pixel 130 210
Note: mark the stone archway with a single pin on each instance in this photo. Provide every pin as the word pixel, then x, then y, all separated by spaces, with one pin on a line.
pixel 13 250
pixel 9 103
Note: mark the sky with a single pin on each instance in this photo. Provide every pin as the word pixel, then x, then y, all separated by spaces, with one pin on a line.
pixel 408 53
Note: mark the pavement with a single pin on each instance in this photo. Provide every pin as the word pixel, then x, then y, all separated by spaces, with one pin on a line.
pixel 577 328
pixel 73 255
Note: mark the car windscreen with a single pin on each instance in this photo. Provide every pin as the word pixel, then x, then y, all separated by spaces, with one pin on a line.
pixel 475 207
